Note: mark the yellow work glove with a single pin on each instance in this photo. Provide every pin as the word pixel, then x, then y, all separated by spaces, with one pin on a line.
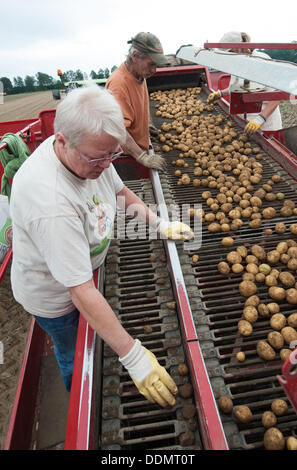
pixel 254 125
pixel 174 230
pixel 151 379
pixel 213 97
pixel 154 161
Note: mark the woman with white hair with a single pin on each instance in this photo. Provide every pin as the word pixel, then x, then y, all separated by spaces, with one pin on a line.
pixel 269 119
pixel 63 205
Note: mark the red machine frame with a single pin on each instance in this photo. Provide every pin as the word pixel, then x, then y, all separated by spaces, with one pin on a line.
pixel 80 423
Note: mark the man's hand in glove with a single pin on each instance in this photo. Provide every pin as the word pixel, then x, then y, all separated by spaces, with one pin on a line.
pixel 151 379
pixel 153 130
pixel 154 161
pixel 174 230
pixel 254 125
pixel 213 97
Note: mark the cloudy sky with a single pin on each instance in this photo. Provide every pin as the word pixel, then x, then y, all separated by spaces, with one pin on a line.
pixel 42 36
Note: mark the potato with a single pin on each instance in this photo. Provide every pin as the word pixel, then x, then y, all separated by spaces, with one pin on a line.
pixel 269 419
pixel 227 241
pixel 264 268
pixel 292 443
pixel 289 334
pixel 284 354
pixel 260 277
pixel 263 310
pixel 247 288
pixel 248 277
pixel 255 223
pixel 274 439
pixel 182 369
pixel 245 328
pixel 287 279
pixel 269 213
pixel 282 247
pixel 214 227
pixel 251 259
pixel 275 339
pixel 270 280
pixel 195 259
pixel 279 407
pixel 292 320
pixel 252 268
pixel 224 267
pixel 258 251
pixel 252 301
pixel 243 413
pixel 273 256
pixel 280 227
pixel 293 229
pixel 277 293
pixel 291 296
pixel 250 314
pixel 265 351
pixel 292 251
pixel 234 258
pixel 273 307
pixel 278 321
pixel 240 356
pixel 275 272
pixel 292 264
pixel 242 251
pixel 225 404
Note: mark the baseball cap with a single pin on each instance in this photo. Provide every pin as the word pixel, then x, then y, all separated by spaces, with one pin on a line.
pixel 149 44
pixel 232 36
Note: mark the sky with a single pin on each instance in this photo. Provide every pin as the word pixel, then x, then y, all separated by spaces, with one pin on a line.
pixel 46 35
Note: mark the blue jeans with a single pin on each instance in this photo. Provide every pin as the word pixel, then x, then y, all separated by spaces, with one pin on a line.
pixel 63 332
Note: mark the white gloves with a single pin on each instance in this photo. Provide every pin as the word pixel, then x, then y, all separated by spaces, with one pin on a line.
pixel 154 161
pixel 254 125
pixel 174 230
pixel 151 379
pixel 213 97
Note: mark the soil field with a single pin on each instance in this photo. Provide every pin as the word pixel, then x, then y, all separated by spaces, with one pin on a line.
pixel 26 105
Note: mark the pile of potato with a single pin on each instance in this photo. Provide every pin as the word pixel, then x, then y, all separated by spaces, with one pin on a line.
pixel 225 163
pixel 258 268
pixel 273 437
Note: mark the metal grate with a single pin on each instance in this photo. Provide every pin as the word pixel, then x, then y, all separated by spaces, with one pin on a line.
pixel 138 289
pixel 217 307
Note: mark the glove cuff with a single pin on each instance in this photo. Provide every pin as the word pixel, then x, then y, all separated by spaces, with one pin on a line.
pixel 137 362
pixel 264 119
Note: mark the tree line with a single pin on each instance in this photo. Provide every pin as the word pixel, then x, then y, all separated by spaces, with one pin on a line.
pixel 42 81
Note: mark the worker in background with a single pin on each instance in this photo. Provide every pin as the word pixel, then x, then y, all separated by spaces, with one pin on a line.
pixel 63 205
pixel 270 117
pixel 128 85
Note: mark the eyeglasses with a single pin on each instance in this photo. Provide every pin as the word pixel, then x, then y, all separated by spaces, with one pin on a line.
pixel 95 161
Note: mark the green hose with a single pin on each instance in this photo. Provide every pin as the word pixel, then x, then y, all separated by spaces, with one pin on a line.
pixel 11 157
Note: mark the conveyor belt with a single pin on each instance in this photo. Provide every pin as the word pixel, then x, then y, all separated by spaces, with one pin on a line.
pixel 217 307
pixel 138 289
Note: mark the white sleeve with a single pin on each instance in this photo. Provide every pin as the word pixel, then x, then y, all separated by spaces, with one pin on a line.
pixel 64 248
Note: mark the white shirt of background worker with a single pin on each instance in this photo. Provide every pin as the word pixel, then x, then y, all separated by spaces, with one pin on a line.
pixel 270 117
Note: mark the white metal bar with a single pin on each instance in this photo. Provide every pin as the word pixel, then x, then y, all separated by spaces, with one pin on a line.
pixel 271 73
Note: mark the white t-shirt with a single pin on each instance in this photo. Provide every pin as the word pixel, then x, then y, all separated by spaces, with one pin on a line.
pixel 62 227
pixel 274 121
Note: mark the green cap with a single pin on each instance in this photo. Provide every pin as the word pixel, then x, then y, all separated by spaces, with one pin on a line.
pixel 149 44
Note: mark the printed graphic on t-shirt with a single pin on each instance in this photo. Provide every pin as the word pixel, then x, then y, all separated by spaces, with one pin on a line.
pixel 103 226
